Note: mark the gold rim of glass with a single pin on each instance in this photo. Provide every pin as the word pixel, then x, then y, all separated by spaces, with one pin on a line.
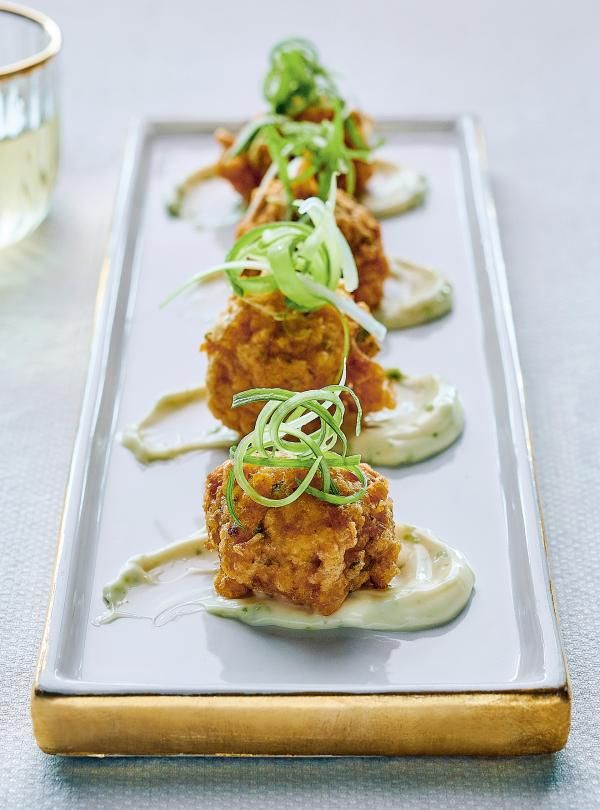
pixel 41 57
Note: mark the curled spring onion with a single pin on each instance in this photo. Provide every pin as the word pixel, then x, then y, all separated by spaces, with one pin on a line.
pixel 278 440
pixel 249 132
pixel 322 149
pixel 296 80
pixel 306 261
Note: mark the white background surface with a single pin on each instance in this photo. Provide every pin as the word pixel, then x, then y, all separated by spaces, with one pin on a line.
pixel 530 71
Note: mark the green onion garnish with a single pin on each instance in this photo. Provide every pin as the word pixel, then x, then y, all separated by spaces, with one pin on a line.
pixel 278 440
pixel 304 260
pixel 249 132
pixel 320 147
pixel 296 80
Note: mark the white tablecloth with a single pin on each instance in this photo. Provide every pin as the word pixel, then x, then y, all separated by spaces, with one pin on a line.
pixel 530 71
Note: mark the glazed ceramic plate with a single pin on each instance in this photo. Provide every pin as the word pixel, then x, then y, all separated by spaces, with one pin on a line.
pixel 479 496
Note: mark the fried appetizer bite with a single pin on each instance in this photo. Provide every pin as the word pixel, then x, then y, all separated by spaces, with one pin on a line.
pixel 308 132
pixel 307 113
pixel 290 517
pixel 292 321
pixel 359 227
pixel 260 341
pixel 311 552
pixel 321 142
pixel 244 167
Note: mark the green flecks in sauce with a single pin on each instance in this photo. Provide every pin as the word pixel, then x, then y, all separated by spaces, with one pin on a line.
pixel 393 189
pixel 427 419
pixel 418 295
pixel 433 585
pixel 139 440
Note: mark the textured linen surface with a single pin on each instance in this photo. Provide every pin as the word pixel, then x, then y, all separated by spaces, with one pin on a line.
pixel 530 70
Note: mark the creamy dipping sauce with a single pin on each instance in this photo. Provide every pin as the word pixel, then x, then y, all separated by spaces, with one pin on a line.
pixel 427 419
pixel 146 569
pixel 413 295
pixel 147 443
pixel 434 585
pixel 393 189
pixel 206 200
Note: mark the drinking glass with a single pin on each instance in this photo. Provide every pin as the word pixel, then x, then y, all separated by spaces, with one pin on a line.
pixel 29 44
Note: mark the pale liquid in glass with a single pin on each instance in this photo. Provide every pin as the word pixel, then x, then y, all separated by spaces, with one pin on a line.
pixel 28 166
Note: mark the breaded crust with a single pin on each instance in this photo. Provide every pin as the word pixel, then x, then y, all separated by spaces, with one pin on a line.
pixel 244 171
pixel 259 342
pixel 309 552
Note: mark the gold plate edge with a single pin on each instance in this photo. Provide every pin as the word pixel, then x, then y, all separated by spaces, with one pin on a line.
pixel 462 723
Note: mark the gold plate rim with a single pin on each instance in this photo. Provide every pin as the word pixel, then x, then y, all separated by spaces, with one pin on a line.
pixel 465 723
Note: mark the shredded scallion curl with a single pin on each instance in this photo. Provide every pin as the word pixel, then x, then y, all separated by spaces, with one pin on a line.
pixel 320 148
pixel 306 261
pixel 279 440
pixel 296 82
pixel 296 79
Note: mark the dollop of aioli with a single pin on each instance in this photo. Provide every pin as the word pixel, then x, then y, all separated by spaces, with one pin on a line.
pixel 433 586
pixel 144 569
pixel 147 445
pixel 414 295
pixel 393 189
pixel 427 419
pixel 206 200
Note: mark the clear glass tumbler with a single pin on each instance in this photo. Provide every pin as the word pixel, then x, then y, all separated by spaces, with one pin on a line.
pixel 29 43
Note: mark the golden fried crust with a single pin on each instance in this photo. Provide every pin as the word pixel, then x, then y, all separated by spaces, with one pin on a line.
pixel 269 205
pixel 245 171
pixel 259 342
pixel 359 227
pixel 363 233
pixel 310 552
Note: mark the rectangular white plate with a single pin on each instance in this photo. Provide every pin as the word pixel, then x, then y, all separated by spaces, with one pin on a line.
pixel 479 496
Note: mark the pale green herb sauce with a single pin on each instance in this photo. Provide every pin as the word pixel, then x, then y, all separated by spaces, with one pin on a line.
pixel 434 585
pixel 147 445
pixel 427 419
pixel 393 189
pixel 413 296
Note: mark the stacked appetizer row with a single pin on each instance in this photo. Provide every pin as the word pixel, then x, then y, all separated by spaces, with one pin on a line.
pixel 299 525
